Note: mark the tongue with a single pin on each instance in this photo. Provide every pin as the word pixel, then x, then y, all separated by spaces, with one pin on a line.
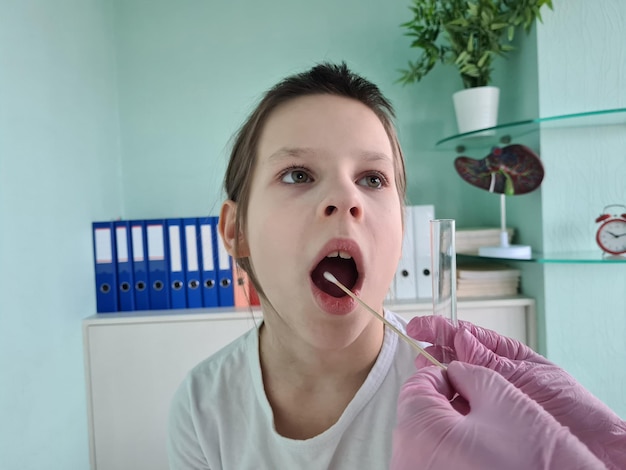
pixel 343 269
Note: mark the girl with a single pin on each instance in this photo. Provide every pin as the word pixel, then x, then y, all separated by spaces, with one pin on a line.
pixel 315 183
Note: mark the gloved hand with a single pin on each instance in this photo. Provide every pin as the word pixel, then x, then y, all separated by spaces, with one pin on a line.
pixel 504 429
pixel 590 420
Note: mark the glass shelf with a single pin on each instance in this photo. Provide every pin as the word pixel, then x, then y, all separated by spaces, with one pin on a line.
pixel 582 257
pixel 504 134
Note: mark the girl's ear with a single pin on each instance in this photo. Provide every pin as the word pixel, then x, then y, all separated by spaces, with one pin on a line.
pixel 227 230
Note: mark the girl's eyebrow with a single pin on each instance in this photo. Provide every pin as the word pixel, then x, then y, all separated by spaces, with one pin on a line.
pixel 300 152
pixel 289 152
pixel 376 156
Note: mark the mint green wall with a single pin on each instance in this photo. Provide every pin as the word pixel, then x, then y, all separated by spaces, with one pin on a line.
pixel 189 73
pixel 185 74
pixel 59 170
pixel 581 54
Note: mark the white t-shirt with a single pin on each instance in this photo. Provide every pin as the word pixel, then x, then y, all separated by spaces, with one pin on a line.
pixel 220 417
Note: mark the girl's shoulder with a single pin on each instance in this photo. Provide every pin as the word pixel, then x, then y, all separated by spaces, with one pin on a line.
pixel 233 356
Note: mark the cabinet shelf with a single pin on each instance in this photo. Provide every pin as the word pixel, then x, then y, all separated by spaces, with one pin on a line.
pixel 504 134
pixel 572 257
pixel 135 362
pixel 254 314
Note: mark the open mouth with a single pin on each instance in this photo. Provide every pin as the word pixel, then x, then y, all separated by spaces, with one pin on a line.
pixel 341 265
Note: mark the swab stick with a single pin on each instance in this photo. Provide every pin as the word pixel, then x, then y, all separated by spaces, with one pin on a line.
pixel 413 344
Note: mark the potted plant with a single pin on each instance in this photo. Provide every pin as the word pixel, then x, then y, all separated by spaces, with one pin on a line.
pixel 468 34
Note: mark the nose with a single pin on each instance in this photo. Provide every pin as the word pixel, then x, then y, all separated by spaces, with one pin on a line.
pixel 343 198
pixel 330 210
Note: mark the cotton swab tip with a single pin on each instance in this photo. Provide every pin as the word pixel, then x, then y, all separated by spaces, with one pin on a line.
pixel 330 277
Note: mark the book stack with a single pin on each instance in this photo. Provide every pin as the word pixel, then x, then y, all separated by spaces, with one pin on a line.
pixel 469 240
pixel 486 280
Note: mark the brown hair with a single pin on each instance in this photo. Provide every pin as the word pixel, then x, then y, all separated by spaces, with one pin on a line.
pixel 325 78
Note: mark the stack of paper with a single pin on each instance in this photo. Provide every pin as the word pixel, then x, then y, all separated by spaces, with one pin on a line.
pixel 486 280
pixel 468 240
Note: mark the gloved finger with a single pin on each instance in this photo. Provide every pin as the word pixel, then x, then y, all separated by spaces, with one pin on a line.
pixel 439 331
pixel 424 402
pixel 556 392
pixel 483 388
pixel 430 380
pixel 504 429
pixel 443 334
pixel 492 397
pixel 433 329
pixel 424 414
pixel 457 402
pixel 470 350
pixel 504 346
pixel 442 354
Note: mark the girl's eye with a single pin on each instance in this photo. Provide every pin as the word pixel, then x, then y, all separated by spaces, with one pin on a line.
pixel 296 176
pixel 374 181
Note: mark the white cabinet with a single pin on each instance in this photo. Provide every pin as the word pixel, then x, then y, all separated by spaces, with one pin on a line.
pixel 134 362
pixel 510 316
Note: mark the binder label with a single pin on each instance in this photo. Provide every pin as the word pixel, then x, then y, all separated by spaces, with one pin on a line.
pixel 122 244
pixel 192 248
pixel 104 254
pixel 223 257
pixel 176 262
pixel 207 248
pixel 137 238
pixel 156 246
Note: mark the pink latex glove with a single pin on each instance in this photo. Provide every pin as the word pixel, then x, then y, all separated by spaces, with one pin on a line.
pixel 590 420
pixel 505 429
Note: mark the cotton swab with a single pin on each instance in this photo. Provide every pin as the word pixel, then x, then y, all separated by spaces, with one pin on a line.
pixel 329 277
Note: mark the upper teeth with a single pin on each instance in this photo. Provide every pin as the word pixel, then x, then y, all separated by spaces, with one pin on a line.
pixel 341 254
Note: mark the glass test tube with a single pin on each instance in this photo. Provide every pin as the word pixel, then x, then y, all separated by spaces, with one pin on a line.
pixel 443 264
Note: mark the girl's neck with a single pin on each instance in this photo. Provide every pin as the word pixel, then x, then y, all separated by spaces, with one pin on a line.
pixel 284 354
pixel 309 388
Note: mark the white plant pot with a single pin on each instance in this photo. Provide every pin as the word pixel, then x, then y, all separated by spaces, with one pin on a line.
pixel 476 108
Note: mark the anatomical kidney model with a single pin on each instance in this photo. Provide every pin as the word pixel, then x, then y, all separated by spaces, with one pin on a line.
pixel 508 171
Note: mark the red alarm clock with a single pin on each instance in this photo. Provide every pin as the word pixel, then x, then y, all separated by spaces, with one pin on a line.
pixel 611 234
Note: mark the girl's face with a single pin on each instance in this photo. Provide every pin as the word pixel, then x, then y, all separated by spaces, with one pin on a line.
pixel 324 198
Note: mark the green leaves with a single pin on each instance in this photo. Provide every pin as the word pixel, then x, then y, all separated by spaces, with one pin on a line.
pixel 484 58
pixel 465 33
